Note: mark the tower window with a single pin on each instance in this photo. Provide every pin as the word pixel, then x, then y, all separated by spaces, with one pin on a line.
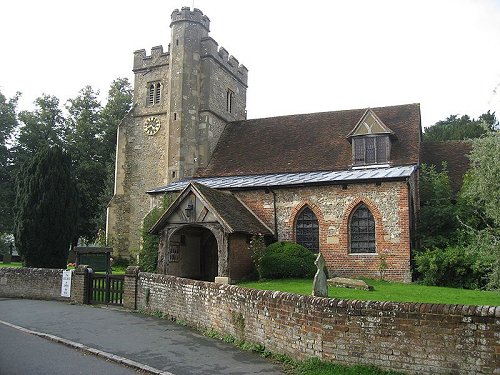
pixel 229 101
pixel 362 231
pixel 154 93
pixel 307 230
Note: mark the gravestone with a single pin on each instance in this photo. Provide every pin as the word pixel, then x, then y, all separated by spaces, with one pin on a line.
pixel 320 286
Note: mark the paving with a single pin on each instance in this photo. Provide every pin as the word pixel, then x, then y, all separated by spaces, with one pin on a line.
pixel 160 346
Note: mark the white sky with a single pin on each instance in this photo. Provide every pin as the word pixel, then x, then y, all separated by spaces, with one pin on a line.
pixel 302 56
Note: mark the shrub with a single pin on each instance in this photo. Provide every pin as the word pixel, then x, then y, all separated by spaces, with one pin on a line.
pixel 287 260
pixel 455 267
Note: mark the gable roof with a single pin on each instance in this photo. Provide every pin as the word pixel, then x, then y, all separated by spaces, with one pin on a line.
pixel 229 210
pixel 454 153
pixel 308 142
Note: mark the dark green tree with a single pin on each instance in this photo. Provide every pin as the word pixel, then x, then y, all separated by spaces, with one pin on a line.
pixel 460 128
pixel 8 123
pixel 45 209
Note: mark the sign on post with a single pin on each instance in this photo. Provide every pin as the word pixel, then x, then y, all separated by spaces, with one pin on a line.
pixel 66 284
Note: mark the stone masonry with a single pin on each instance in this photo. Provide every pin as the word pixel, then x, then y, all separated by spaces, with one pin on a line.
pixel 194 77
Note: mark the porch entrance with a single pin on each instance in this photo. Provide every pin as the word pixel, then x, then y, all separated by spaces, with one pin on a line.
pixel 193 253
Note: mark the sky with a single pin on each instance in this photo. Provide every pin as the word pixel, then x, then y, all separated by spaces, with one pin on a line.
pixel 302 56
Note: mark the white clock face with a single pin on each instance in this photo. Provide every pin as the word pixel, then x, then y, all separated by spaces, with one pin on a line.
pixel 151 125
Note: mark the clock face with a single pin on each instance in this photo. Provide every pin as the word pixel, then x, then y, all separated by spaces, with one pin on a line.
pixel 151 125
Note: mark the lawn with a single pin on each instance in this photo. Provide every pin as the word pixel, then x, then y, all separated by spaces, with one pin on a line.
pixel 11 264
pixel 386 291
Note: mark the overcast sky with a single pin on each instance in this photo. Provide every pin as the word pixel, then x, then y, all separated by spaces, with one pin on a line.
pixel 302 56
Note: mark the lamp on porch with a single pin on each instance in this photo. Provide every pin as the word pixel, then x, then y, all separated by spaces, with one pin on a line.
pixel 188 210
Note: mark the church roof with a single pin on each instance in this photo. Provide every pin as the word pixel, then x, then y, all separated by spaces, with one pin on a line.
pixel 288 179
pixel 308 142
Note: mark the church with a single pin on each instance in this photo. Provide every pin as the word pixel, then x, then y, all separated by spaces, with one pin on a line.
pixel 343 183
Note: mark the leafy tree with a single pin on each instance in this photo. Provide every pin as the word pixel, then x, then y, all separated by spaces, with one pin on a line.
pixel 84 141
pixel 8 122
pixel 45 209
pixel 459 128
pixel 118 104
pixel 41 128
pixel 437 219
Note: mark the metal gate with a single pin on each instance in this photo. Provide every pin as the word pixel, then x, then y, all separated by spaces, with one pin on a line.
pixel 105 289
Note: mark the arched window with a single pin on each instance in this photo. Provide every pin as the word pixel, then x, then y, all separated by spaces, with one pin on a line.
pixel 307 230
pixel 229 101
pixel 362 230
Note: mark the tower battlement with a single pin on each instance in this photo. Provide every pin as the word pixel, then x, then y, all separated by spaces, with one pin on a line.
pixel 185 14
pixel 210 48
pixel 156 59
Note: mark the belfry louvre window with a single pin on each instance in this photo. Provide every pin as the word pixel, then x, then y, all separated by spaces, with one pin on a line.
pixel 154 93
pixel 307 230
pixel 371 150
pixel 362 231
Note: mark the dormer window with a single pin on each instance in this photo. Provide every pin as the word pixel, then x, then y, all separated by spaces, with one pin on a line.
pixel 370 150
pixel 154 93
pixel 371 142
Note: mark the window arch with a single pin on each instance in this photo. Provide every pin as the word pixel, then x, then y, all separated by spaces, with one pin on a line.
pixel 362 230
pixel 307 230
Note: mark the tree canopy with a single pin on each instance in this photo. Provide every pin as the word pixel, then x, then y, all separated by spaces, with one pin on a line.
pixel 461 128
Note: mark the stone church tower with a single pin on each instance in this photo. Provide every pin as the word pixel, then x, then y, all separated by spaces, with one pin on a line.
pixel 183 99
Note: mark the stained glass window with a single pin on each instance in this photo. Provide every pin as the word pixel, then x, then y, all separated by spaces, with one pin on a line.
pixel 362 228
pixel 307 230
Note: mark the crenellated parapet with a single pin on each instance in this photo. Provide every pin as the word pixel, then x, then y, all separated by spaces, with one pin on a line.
pixel 185 14
pixel 156 59
pixel 210 48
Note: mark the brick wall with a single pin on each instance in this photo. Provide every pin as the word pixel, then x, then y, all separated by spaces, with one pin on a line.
pixel 409 337
pixel 34 283
pixel 333 206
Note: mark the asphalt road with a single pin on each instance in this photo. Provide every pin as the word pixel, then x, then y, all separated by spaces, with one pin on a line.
pixel 155 342
pixel 22 353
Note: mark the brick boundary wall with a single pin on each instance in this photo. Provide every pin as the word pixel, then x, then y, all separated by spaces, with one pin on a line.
pixel 33 283
pixel 409 337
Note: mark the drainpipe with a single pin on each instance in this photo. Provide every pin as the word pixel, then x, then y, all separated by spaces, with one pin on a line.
pixel 267 191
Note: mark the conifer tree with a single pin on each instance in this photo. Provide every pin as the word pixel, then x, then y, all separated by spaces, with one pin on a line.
pixel 46 209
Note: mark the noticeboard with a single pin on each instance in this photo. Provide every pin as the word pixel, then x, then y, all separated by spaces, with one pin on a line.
pixel 97 261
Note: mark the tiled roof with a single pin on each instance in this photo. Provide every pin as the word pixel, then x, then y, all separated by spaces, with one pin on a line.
pixel 308 143
pixel 454 153
pixel 232 211
pixel 286 179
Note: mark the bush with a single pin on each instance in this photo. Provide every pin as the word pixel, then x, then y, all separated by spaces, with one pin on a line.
pixel 455 267
pixel 287 260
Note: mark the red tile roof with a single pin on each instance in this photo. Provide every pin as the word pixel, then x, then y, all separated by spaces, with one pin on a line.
pixel 308 142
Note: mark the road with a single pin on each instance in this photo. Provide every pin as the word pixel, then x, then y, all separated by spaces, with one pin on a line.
pixel 147 340
pixel 22 353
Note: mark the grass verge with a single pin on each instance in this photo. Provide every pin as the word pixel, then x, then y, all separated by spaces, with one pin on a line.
pixel 386 291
